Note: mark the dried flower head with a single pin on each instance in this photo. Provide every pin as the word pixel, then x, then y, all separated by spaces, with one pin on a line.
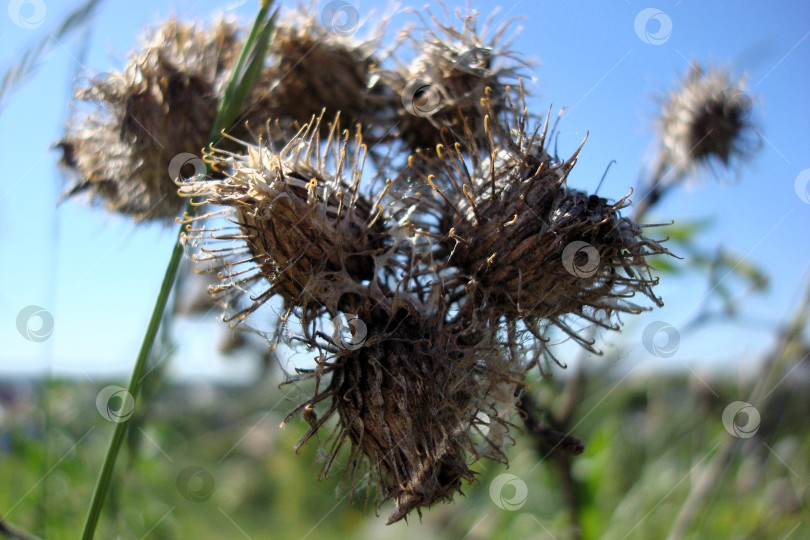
pixel 316 67
pixel 297 222
pixel 443 86
pixel 414 394
pixel 526 246
pixel 162 105
pixel 706 119
pixel 408 403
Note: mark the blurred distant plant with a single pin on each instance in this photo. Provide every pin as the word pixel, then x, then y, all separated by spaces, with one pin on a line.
pixel 707 119
pixel 705 123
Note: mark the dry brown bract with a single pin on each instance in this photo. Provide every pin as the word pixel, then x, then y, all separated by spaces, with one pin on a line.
pixel 316 67
pixel 408 403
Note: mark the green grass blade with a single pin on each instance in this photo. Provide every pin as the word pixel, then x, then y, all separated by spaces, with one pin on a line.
pixel 239 88
pixel 243 80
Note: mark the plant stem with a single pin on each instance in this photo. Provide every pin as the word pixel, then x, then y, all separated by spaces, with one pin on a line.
pixel 104 478
pixel 7 530
pixel 236 95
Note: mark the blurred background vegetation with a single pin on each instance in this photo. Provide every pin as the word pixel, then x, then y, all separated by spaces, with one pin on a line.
pixel 647 442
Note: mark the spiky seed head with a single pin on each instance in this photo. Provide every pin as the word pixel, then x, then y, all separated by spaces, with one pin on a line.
pixel 314 68
pixel 297 221
pixel 409 404
pixel 161 106
pixel 453 68
pixel 525 245
pixel 707 118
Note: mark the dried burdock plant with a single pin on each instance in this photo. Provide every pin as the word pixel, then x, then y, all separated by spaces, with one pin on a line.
pixel 707 118
pixel 524 245
pixel 443 86
pixel 409 403
pixel 473 250
pixel 315 67
pixel 162 105
pixel 297 222
pixel 433 278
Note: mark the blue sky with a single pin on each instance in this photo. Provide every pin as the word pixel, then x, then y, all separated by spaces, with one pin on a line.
pixel 98 274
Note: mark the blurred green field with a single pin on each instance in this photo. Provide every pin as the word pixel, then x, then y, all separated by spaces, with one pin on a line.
pixel 647 440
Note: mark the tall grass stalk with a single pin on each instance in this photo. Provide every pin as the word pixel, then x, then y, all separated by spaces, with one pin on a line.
pixel 239 88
